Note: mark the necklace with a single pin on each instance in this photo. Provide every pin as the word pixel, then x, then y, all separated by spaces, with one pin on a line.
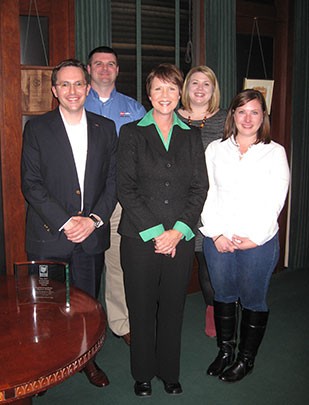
pixel 201 124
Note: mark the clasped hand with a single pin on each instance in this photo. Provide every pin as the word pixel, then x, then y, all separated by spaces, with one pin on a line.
pixel 223 244
pixel 166 243
pixel 78 229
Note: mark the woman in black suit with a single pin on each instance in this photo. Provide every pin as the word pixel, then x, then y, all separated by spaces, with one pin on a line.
pixel 162 188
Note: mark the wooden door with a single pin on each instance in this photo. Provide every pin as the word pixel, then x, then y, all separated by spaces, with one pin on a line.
pixel 60 15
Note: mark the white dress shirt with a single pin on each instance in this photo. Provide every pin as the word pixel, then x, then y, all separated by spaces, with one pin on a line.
pixel 246 192
pixel 78 138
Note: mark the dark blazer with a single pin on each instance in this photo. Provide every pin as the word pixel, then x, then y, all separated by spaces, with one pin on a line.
pixel 51 188
pixel 156 186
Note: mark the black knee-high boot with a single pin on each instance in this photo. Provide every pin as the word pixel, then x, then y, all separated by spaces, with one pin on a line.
pixel 252 329
pixel 226 320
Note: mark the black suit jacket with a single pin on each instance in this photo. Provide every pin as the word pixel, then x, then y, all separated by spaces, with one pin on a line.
pixel 51 188
pixel 156 186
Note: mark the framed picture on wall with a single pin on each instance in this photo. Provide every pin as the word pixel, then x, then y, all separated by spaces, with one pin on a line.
pixel 37 97
pixel 264 86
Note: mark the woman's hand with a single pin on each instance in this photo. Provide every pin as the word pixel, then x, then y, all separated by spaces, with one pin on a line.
pixel 223 244
pixel 166 243
pixel 243 243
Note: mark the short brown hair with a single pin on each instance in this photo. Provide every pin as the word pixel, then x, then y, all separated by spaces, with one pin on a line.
pixel 214 101
pixel 66 63
pixel 166 72
pixel 102 49
pixel 242 98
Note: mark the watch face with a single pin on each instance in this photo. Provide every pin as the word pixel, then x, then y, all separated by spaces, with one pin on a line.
pixel 95 221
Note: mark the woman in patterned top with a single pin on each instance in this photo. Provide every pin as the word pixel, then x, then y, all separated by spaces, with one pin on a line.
pixel 200 108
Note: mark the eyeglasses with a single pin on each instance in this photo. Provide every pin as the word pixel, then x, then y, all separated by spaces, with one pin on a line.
pixel 68 85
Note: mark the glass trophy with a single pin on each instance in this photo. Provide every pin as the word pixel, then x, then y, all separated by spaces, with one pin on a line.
pixel 42 282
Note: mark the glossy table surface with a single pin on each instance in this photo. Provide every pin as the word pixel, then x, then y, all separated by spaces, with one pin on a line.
pixel 43 344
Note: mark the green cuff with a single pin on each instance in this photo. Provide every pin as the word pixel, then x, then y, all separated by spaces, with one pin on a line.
pixel 151 233
pixel 184 229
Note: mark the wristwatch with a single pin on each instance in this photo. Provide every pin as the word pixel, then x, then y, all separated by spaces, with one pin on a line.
pixel 96 222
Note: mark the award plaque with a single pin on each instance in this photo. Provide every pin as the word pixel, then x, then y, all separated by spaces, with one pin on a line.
pixel 42 281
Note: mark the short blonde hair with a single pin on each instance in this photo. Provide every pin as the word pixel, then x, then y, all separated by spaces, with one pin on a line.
pixel 214 101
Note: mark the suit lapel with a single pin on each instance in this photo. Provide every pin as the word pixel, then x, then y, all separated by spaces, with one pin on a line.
pixel 61 138
pixel 153 138
pixel 92 127
pixel 95 133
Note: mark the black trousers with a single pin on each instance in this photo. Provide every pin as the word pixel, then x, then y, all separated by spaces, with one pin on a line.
pixel 156 288
pixel 85 269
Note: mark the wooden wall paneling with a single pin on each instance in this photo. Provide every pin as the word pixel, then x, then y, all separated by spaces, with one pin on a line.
pixel 61 15
pixel 281 117
pixel 275 21
pixel 10 138
pixel 198 35
pixel 62 31
pixel 62 46
pixel 283 78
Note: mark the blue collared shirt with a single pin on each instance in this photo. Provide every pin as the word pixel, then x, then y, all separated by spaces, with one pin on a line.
pixel 119 107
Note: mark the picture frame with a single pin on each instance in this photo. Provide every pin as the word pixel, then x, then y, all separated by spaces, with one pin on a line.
pixel 37 97
pixel 264 86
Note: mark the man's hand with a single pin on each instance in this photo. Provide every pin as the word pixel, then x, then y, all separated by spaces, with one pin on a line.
pixel 78 229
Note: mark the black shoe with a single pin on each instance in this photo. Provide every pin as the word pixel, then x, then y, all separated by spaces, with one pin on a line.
pixel 172 388
pixel 142 389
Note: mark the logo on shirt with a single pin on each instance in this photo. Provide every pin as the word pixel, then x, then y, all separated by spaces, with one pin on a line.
pixel 125 114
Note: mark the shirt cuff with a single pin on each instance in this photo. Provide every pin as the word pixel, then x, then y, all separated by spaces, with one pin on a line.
pixel 98 218
pixel 184 229
pixel 60 229
pixel 151 233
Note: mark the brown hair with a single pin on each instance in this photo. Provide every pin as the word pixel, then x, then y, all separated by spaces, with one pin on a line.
pixel 242 98
pixel 214 101
pixel 167 73
pixel 66 63
pixel 102 49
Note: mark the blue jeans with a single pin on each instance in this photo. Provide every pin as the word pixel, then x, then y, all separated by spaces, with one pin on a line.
pixel 243 275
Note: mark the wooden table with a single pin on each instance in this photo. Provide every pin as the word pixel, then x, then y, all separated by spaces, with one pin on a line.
pixel 43 344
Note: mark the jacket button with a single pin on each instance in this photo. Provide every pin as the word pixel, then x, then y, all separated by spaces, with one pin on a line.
pixel 165 201
pixel 168 165
pixel 167 183
pixel 77 192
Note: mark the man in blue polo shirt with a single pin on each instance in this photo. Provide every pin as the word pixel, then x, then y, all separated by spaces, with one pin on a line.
pixel 104 99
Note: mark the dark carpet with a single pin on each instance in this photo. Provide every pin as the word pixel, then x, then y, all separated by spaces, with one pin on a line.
pixel 279 377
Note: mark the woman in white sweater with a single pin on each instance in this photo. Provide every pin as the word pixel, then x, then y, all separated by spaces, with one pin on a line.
pixel 248 182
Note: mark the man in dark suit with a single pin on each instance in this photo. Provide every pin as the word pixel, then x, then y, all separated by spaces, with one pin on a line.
pixel 68 180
